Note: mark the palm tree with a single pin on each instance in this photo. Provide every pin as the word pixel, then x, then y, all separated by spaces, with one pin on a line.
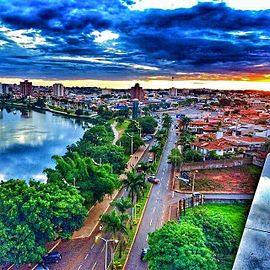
pixel 166 120
pixel 135 185
pixel 176 157
pixel 155 149
pixel 185 121
pixel 122 204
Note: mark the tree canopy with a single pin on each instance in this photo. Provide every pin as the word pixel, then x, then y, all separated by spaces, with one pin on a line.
pixel 92 180
pixel 32 215
pixel 179 247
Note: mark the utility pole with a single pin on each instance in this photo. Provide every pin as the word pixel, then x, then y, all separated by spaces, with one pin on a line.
pixel 193 181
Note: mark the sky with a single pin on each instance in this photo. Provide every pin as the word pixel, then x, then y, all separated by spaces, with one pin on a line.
pixel 115 43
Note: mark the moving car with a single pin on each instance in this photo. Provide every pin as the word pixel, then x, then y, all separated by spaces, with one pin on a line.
pixel 152 179
pixel 144 252
pixel 52 257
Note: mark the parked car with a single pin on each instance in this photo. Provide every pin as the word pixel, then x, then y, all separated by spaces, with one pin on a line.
pixel 52 257
pixel 153 180
pixel 42 267
pixel 144 252
pixel 196 194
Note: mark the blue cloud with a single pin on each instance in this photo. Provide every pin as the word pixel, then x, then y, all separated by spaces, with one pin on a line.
pixel 207 38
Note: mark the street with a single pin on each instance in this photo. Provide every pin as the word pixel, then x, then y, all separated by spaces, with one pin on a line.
pixel 157 210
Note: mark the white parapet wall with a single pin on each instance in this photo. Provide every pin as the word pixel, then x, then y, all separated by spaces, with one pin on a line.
pixel 254 249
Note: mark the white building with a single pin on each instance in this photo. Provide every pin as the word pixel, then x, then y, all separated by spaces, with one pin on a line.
pixel 58 90
pixel 1 89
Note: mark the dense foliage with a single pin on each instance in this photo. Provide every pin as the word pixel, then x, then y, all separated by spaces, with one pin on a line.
pixel 202 240
pixel 148 124
pixel 179 246
pixel 31 215
pixel 93 181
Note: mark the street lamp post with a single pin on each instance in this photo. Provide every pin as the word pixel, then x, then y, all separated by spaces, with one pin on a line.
pixel 131 144
pixel 193 180
pixel 106 248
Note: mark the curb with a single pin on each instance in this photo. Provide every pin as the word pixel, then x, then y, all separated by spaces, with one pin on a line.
pixel 138 227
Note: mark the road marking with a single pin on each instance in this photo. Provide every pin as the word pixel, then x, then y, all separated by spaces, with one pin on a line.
pixel 103 248
pixel 80 267
pixel 172 194
pixel 154 209
pixel 158 192
pixel 147 237
pixel 94 266
pixel 92 246
pixel 151 222
pixel 86 256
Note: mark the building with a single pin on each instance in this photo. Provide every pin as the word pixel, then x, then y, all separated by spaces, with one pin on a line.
pixel 26 88
pixel 137 92
pixel 58 90
pixel 173 92
pixel 1 89
pixel 135 109
pixel 6 89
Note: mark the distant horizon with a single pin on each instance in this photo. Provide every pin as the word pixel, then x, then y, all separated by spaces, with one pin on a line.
pixel 149 84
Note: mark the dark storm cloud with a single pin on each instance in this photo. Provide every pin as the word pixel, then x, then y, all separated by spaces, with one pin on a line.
pixel 205 38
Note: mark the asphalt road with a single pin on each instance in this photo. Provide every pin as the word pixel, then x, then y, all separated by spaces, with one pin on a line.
pixel 156 212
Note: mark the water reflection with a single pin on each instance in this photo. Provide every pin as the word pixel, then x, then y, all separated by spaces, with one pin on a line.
pixel 28 139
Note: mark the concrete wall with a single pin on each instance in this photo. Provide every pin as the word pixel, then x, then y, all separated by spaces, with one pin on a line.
pixel 254 249
pixel 216 164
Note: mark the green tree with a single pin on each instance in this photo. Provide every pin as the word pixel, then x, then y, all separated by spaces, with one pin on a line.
pixel 148 124
pixel 98 135
pixel 135 184
pixel 184 122
pixel 176 157
pixel 166 120
pixel 32 215
pixel 93 181
pixel 220 236
pixel 125 142
pixel 122 204
pixel 179 246
pixel 192 155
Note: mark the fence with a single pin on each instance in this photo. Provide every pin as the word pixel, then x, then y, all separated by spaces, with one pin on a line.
pixel 216 164
pixel 189 203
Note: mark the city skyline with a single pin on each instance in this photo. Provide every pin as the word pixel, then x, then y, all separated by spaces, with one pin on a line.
pixel 113 44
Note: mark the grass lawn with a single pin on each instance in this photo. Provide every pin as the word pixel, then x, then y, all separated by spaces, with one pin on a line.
pixel 122 127
pixel 236 214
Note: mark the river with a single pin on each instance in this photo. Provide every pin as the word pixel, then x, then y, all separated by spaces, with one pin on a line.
pixel 28 140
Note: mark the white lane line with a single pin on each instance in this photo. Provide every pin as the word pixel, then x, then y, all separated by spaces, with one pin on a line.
pixel 103 249
pixel 80 267
pixel 92 246
pixel 154 209
pixel 151 222
pixel 86 256
pixel 94 266
pixel 172 194
pixel 147 237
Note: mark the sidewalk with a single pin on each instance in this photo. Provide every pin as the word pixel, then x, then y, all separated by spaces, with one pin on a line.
pixel 97 210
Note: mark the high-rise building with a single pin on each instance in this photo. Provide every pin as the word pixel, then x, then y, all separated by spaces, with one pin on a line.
pixel 58 90
pixel 173 92
pixel 5 89
pixel 1 89
pixel 26 88
pixel 137 92
pixel 135 109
